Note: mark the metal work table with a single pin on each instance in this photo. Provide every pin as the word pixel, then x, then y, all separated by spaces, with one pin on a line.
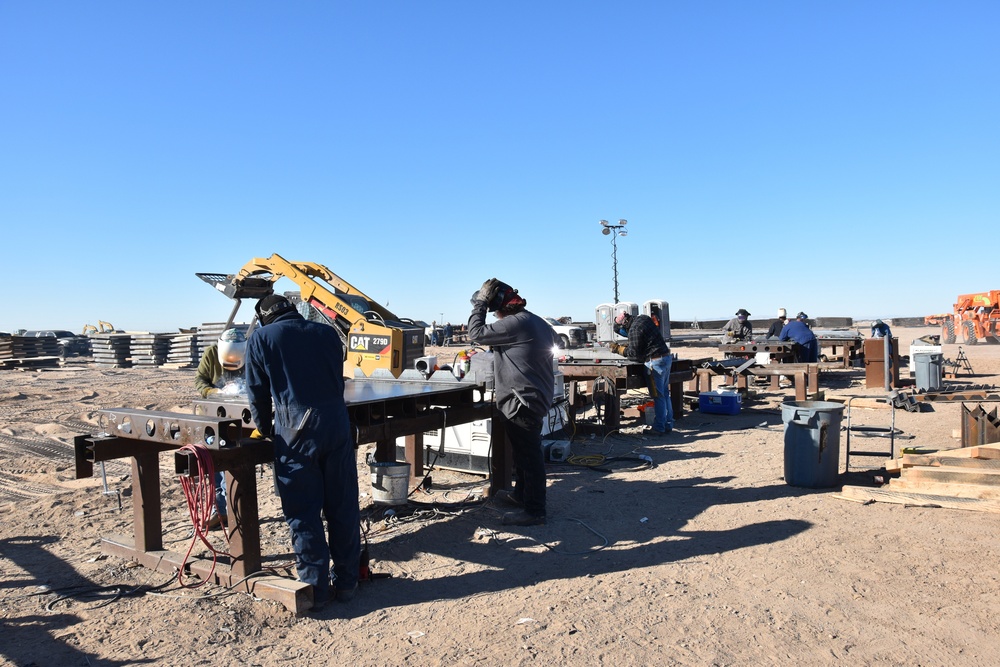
pixel 626 375
pixel 379 410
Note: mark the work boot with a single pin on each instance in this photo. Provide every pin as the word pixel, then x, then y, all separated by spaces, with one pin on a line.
pixel 509 498
pixel 347 594
pixel 218 521
pixel 523 518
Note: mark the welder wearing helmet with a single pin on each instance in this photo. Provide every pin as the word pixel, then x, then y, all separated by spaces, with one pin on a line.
pixel 524 384
pixel 295 383
pixel 646 346
pixel 739 328
pixel 222 363
pixel 222 366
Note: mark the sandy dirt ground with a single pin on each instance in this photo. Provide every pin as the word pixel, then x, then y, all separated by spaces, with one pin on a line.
pixel 705 558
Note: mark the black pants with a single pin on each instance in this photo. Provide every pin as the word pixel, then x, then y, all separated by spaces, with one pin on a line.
pixel 524 433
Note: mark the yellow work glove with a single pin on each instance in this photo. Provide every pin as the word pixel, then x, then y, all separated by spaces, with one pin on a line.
pixel 257 435
pixel 211 392
pixel 617 348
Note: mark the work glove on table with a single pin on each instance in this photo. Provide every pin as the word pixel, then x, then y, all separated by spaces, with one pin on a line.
pixel 618 348
pixel 257 435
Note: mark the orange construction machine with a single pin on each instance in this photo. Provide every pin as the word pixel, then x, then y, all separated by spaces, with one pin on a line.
pixel 976 316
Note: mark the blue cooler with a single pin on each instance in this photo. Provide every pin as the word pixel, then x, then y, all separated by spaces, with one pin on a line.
pixel 720 403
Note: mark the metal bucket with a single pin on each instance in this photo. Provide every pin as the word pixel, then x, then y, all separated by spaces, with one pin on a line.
pixel 390 483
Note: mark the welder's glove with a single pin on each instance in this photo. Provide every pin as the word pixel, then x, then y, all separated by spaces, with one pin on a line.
pixel 618 348
pixel 257 435
pixel 211 392
pixel 476 301
pixel 489 290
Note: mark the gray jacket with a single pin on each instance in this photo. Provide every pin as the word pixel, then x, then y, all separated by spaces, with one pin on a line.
pixel 522 359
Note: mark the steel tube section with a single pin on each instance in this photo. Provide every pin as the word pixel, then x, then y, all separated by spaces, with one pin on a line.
pixel 169 427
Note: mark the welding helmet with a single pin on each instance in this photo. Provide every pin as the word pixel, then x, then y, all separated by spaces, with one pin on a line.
pixel 504 294
pixel 271 306
pixel 742 314
pixel 232 349
pixel 801 316
pixel 622 323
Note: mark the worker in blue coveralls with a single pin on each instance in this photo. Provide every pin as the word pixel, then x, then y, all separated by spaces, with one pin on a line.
pixel 295 385
pixel 807 349
pixel 646 345
pixel 524 384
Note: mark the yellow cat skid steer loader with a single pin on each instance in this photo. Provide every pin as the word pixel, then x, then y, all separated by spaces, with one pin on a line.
pixel 376 342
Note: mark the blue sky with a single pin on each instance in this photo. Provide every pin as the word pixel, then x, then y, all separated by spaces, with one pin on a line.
pixel 838 158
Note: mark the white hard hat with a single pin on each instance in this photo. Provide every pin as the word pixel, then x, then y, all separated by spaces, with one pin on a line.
pixel 232 349
pixel 782 313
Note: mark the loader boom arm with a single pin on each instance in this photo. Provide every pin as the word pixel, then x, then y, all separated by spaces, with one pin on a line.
pixel 375 340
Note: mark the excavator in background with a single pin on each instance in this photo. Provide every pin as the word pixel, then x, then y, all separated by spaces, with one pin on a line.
pixel 376 341
pixel 105 327
pixel 975 316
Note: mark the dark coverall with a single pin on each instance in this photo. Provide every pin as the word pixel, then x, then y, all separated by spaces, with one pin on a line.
pixel 299 365
pixel 807 350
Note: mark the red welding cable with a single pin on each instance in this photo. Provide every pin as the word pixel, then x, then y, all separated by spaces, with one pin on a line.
pixel 199 490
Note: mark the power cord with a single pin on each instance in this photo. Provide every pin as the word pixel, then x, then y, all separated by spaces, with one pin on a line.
pixel 199 490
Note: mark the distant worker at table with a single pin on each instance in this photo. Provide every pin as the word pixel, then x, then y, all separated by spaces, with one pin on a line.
pixel 807 345
pixel 739 328
pixel 881 330
pixel 776 326
pixel 646 345
pixel 524 384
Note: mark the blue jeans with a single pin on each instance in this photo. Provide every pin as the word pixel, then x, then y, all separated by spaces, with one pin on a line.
pixel 220 493
pixel 659 371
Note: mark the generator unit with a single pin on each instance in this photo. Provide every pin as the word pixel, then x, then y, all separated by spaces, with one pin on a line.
pixel 466 447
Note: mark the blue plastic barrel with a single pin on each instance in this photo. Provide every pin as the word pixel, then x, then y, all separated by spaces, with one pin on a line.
pixel 812 443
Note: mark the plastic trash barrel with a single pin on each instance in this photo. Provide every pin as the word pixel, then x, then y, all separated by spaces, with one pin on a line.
pixel 390 483
pixel 928 367
pixel 812 443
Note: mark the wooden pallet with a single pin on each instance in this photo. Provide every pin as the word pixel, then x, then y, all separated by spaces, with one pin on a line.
pixel 966 478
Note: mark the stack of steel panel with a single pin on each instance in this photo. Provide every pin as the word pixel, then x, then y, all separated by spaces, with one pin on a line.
pixel 149 349
pixel 29 352
pixel 183 351
pixel 112 350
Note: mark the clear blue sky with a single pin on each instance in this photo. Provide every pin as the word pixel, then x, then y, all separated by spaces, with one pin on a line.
pixel 838 158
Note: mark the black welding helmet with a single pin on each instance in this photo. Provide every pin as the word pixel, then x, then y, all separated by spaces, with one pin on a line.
pixel 271 306
pixel 504 294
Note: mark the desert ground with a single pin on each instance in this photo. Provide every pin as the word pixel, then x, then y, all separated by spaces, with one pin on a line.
pixel 706 557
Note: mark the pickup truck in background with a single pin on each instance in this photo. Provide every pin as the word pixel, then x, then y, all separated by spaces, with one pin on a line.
pixel 569 336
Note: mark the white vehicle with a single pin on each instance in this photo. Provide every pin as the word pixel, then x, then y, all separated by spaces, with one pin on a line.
pixel 569 336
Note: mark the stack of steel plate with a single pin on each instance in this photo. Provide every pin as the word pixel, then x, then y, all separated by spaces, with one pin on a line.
pixel 149 349
pixel 112 350
pixel 183 351
pixel 29 352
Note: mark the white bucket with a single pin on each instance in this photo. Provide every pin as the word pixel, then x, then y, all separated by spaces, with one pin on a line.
pixel 390 483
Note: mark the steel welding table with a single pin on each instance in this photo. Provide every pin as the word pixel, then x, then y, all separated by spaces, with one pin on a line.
pixel 851 344
pixel 589 366
pixel 379 410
